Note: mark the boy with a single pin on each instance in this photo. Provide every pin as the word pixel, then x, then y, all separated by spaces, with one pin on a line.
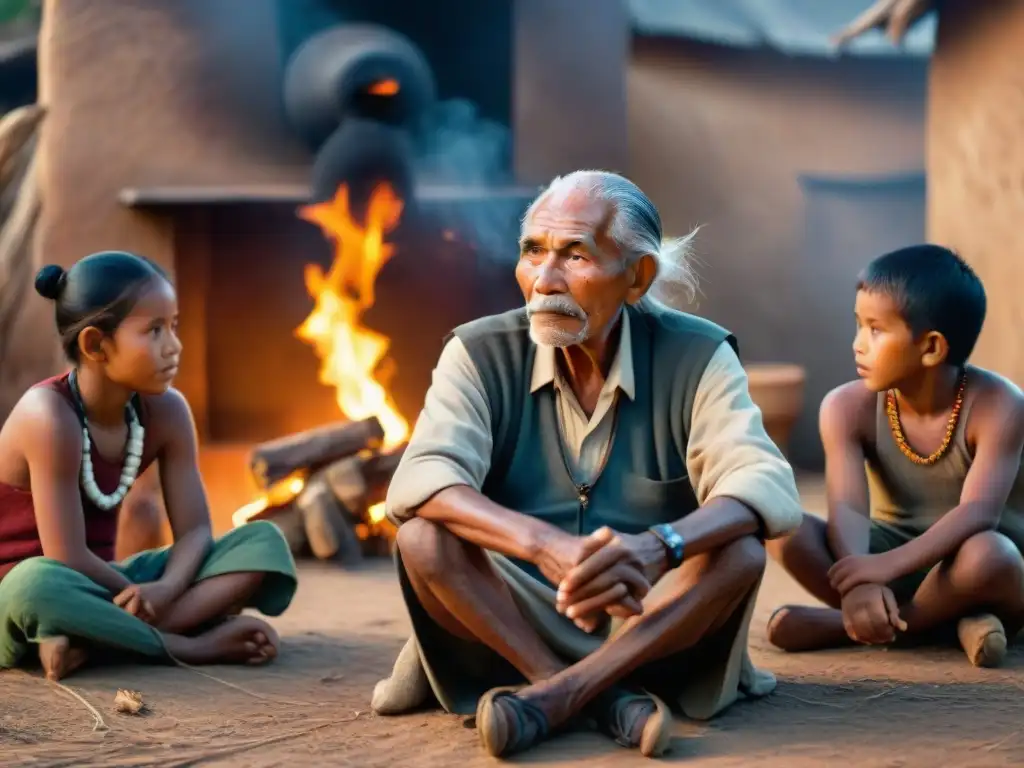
pixel 938 444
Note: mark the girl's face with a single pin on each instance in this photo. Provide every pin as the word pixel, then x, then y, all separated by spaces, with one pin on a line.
pixel 143 353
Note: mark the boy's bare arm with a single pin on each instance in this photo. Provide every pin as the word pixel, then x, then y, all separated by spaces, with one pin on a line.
pixel 996 430
pixel 841 421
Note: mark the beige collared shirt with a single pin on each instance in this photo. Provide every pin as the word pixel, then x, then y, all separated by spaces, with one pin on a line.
pixel 587 437
pixel 728 452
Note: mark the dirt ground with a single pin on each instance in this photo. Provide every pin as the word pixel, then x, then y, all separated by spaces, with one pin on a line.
pixel 861 707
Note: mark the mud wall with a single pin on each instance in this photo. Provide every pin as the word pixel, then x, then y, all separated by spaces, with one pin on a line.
pixel 976 162
pixel 722 138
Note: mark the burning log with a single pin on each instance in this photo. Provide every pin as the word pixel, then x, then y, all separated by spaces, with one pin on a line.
pixel 312 450
pixel 378 470
pixel 336 512
pixel 348 482
pixel 330 534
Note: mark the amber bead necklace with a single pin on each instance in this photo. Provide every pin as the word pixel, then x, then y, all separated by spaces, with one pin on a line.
pixel 893 412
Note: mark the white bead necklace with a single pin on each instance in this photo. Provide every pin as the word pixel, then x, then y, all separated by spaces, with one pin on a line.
pixel 132 460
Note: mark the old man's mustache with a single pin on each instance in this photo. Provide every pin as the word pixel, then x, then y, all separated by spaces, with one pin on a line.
pixel 559 305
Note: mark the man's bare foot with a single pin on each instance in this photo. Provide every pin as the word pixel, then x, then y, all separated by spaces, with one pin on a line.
pixel 240 640
pixel 796 628
pixel 983 639
pixel 59 658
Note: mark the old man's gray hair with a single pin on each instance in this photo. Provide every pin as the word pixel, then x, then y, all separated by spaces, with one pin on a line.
pixel 635 228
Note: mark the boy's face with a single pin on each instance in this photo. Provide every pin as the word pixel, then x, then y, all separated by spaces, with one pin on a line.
pixel 884 348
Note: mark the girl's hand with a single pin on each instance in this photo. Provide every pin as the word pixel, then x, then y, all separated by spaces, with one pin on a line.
pixel 147 601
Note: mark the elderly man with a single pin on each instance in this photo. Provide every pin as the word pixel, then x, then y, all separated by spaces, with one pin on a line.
pixel 584 497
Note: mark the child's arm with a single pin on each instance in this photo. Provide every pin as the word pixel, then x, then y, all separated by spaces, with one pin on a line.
pixel 997 424
pixel 996 429
pixel 52 442
pixel 184 495
pixel 849 525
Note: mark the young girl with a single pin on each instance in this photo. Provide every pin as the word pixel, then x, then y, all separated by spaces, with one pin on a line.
pixel 70 452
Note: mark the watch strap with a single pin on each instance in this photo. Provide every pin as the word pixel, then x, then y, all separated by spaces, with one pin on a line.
pixel 674 544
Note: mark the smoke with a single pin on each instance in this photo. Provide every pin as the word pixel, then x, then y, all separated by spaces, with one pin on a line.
pixel 463 171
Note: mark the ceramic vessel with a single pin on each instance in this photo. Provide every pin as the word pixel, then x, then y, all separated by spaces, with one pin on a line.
pixel 778 390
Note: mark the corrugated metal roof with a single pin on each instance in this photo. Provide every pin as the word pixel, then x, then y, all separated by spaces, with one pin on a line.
pixel 797 27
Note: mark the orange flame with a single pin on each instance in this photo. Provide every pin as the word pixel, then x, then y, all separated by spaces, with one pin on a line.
pixel 384 88
pixel 353 357
pixel 280 493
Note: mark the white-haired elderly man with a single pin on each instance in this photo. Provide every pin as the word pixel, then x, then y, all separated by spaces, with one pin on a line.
pixel 585 495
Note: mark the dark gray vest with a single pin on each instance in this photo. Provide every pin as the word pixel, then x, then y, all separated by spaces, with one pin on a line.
pixel 643 480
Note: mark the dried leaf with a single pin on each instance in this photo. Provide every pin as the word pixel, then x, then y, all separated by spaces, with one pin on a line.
pixel 128 702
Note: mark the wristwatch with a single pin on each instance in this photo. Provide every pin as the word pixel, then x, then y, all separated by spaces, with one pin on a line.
pixel 674 543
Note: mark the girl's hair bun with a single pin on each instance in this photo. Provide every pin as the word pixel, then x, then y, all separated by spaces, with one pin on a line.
pixel 50 281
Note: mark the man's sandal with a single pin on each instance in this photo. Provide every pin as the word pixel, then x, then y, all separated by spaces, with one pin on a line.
pixel 619 721
pixel 508 724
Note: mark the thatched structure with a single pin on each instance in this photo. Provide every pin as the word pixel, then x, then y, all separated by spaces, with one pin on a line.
pixel 19 212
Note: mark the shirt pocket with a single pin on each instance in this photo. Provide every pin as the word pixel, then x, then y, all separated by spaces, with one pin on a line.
pixel 647 502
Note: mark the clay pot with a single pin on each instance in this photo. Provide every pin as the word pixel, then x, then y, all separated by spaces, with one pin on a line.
pixel 778 390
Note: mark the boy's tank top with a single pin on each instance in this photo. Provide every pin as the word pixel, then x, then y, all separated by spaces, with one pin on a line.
pixel 19 536
pixel 912 497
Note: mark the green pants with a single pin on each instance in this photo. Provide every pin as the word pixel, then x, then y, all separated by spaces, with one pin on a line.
pixel 41 598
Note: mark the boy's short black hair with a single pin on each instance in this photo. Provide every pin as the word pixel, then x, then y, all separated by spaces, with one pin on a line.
pixel 935 290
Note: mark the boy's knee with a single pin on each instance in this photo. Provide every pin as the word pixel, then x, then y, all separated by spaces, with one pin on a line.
pixel 784 548
pixel 988 560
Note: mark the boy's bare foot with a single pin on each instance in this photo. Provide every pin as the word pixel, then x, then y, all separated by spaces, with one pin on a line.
pixel 59 658
pixel 983 639
pixel 796 628
pixel 239 640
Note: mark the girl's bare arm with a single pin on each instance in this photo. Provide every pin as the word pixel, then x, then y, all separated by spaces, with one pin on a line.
pixel 52 440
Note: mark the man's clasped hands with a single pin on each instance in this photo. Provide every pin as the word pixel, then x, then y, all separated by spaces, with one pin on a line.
pixel 604 574
pixel 609 573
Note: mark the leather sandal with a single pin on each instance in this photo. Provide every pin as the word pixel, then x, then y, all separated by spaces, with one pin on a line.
pixel 619 721
pixel 508 724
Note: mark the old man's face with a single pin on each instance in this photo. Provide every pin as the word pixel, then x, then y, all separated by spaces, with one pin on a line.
pixel 570 271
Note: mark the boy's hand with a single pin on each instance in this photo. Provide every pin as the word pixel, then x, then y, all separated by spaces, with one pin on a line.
pixel 870 615
pixel 855 570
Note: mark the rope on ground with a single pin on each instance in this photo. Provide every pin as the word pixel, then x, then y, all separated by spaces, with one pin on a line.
pixel 200 756
pixel 99 724
pixel 235 686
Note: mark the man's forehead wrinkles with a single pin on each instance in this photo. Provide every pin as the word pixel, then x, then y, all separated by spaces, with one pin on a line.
pixel 560 239
pixel 559 223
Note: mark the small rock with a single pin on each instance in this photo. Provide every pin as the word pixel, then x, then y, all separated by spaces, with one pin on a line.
pixel 128 702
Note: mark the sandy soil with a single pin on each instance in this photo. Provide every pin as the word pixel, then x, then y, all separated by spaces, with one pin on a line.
pixel 863 707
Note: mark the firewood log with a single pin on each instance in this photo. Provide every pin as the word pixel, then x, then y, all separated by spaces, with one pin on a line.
pixel 330 535
pixel 313 449
pixel 378 470
pixel 346 478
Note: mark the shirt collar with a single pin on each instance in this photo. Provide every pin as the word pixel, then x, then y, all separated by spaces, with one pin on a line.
pixel 620 375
